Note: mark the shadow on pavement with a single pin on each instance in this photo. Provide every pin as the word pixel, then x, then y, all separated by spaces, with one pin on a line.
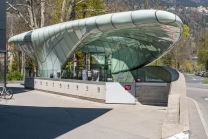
pixel 17 90
pixel 43 122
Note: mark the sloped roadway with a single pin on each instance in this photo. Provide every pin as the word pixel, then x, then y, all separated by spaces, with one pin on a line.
pixel 197 94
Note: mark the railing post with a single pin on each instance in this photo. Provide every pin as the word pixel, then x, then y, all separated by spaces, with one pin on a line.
pixel 5 68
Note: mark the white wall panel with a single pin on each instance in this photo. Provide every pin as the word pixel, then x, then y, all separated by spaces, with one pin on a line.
pixel 115 93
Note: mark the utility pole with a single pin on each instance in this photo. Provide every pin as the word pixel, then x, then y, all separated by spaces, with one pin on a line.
pixel 3 35
pixel 23 64
pixel 206 66
pixel 75 64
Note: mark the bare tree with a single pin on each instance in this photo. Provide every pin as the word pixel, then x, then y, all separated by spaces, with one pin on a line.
pixel 118 5
pixel 71 12
pixel 73 4
pixel 63 11
pixel 146 4
pixel 36 11
pixel 32 13
pixel 157 5
pixel 20 14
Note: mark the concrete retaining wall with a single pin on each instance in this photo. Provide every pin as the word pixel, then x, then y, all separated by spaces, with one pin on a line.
pixel 147 93
pixel 177 119
pixel 152 93
pixel 94 91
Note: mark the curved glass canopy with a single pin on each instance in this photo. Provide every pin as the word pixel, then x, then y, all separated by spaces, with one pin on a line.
pixel 131 39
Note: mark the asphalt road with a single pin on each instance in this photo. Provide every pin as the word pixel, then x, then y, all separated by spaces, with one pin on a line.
pixel 198 92
pixel 193 81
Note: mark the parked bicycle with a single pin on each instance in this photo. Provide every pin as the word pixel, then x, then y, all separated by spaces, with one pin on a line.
pixel 6 93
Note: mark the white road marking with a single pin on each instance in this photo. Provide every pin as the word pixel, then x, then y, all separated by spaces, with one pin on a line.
pixel 206 99
pixel 193 77
pixel 201 116
pixel 198 79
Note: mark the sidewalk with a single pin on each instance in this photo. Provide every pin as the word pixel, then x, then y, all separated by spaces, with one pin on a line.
pixel 196 128
pixel 34 114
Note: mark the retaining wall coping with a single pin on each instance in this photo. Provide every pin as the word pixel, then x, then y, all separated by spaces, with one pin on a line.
pixel 151 84
pixel 69 80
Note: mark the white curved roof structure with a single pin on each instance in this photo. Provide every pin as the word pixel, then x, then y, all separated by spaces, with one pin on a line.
pixel 133 39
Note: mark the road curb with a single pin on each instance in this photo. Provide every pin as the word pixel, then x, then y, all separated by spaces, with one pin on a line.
pixel 201 116
pixel 177 119
pixel 15 82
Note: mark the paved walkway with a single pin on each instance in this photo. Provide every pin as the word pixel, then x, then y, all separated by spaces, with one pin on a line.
pixel 37 115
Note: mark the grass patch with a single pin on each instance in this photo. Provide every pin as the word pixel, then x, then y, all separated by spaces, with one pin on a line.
pixel 205 82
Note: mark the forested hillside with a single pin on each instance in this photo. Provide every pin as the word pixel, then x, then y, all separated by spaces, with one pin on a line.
pixel 183 3
pixel 190 3
pixel 196 21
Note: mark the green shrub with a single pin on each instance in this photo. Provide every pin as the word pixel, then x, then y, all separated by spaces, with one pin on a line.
pixel 14 76
pixel 205 82
pixel 9 76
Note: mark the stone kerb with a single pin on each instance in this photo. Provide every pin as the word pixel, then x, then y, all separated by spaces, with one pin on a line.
pixel 177 119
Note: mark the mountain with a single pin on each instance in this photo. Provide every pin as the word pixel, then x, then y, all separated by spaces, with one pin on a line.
pixel 189 3
pixel 183 3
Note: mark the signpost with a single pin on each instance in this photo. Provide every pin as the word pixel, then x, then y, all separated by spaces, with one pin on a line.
pixel 3 35
pixel 75 64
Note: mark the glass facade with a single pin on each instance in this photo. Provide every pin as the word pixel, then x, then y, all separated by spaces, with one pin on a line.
pixel 113 43
pixel 146 74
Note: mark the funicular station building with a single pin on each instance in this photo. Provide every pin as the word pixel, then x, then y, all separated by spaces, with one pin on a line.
pixel 116 49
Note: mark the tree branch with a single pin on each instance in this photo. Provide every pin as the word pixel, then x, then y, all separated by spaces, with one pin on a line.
pixel 18 5
pixel 71 13
pixel 31 14
pixel 63 10
pixel 79 2
pixel 39 2
pixel 20 15
pixel 42 13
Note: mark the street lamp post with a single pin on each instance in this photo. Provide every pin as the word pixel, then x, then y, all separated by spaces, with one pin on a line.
pixel 3 34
